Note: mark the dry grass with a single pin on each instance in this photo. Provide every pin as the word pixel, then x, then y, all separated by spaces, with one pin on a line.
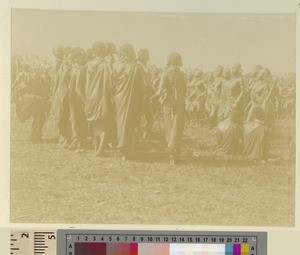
pixel 52 185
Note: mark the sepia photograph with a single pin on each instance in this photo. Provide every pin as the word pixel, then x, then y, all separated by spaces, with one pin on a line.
pixel 153 118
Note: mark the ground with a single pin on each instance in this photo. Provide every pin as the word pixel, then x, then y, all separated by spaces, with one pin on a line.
pixel 52 185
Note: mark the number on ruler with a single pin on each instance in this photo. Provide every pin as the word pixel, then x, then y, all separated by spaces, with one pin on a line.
pixel 51 237
pixel 25 235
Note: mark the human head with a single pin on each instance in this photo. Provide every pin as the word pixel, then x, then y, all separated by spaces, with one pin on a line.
pixel 127 51
pixel 143 55
pixel 110 48
pixel 98 49
pixel 58 51
pixel 227 73
pixel 88 55
pixel 261 74
pixel 77 55
pixel 267 73
pixel 25 67
pixel 236 69
pixel 198 73
pixel 255 70
pixel 210 77
pixel 218 71
pixel 67 54
pixel 174 60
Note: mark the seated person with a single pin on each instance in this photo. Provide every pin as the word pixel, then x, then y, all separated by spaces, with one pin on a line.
pixel 256 137
pixel 229 135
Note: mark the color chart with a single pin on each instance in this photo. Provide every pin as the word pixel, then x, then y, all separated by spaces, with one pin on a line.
pixel 91 242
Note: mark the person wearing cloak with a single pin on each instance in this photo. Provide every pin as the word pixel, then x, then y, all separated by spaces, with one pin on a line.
pixel 213 95
pixel 98 93
pixel 229 135
pixel 77 100
pixel 33 102
pixel 60 102
pixel 195 101
pixel 235 94
pixel 171 93
pixel 110 54
pixel 256 137
pixel 261 93
pixel 129 98
pixel 143 59
pixel 224 94
pixel 250 81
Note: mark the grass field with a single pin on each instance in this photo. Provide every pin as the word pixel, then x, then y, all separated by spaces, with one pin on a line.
pixel 53 185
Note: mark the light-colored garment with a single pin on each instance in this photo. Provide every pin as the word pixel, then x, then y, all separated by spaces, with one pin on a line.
pixel 229 135
pixel 256 139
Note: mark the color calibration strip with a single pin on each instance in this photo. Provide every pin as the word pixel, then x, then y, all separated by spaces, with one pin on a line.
pixel 160 249
pixel 113 242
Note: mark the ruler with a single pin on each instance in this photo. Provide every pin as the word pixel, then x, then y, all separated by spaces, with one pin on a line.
pixel 82 242
pixel 33 242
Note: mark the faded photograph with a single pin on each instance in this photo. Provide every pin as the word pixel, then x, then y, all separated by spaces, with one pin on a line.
pixel 153 118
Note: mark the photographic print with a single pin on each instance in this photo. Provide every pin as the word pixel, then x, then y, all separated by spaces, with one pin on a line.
pixel 153 118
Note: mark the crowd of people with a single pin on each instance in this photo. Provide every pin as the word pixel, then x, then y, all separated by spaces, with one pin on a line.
pixel 108 94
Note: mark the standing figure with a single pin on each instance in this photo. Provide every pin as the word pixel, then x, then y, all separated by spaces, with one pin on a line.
pixel 33 101
pixel 60 103
pixel 214 93
pixel 172 91
pixel 22 80
pixel 250 80
pixel 195 101
pixel 261 96
pixel 235 92
pixel 110 53
pixel 224 94
pixel 77 100
pixel 98 93
pixel 129 97
pixel 143 59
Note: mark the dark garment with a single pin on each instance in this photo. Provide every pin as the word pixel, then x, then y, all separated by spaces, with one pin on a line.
pixel 129 100
pixel 38 121
pixel 148 113
pixel 147 110
pixel 174 126
pixel 256 139
pixel 34 103
pixel 99 91
pixel 229 135
pixel 172 90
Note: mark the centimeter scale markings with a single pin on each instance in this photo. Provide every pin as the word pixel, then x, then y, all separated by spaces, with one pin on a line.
pixel 33 242
pixel 74 242
pixel 162 238
pixel 82 242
